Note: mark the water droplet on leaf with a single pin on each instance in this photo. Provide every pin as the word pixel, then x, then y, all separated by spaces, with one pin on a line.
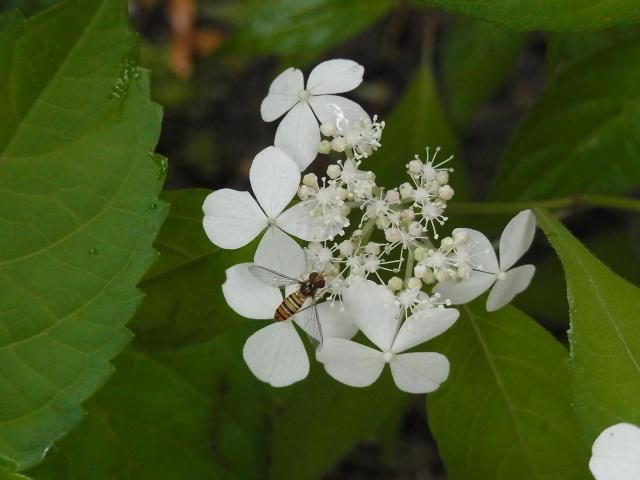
pixel 93 252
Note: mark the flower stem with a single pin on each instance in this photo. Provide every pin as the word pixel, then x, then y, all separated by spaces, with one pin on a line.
pixel 408 273
pixel 584 200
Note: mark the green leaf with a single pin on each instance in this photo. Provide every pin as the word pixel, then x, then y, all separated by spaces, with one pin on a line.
pixel 554 15
pixel 191 413
pixel 415 123
pixel 476 59
pixel 582 135
pixel 604 334
pixel 322 420
pixel 78 212
pixel 185 282
pixel 505 411
pixel 8 470
pixel 303 28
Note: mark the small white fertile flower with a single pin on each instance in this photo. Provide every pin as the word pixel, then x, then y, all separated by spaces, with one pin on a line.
pixel 299 132
pixel 375 310
pixel 275 354
pixel 615 454
pixel 507 282
pixel 232 218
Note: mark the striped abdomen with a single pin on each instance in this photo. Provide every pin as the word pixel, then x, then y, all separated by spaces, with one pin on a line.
pixel 289 306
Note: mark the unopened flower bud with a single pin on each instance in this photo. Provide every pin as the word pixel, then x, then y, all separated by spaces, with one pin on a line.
pixel 420 254
pixel 392 234
pixel 382 223
pixel 442 177
pixel 407 215
pixel 304 192
pixel 392 197
pixel 419 270
pixel 346 248
pixel 415 167
pixel 446 243
pixel 428 277
pixel 414 283
pixel 406 190
pixel 395 284
pixel 338 144
pixel 445 192
pixel 415 229
pixel 328 129
pixel 324 147
pixel 333 170
pixel 372 248
pixel 310 180
pixel 342 193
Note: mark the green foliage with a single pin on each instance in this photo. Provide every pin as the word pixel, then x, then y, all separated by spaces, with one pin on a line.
pixel 476 58
pixel 417 121
pixel 78 189
pixel 553 15
pixel 604 334
pixel 582 135
pixel 184 283
pixel 169 414
pixel 8 470
pixel 334 418
pixel 505 412
pixel 303 28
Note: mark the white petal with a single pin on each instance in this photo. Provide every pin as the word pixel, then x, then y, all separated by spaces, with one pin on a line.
pixel 299 222
pixel 481 251
pixel 351 363
pixel 466 290
pixel 279 252
pixel 616 453
pixel 420 372
pixel 335 322
pixel 516 238
pixel 274 178
pixel 248 296
pixel 298 135
pixel 283 94
pixel 231 218
pixel 337 110
pixel 503 291
pixel 335 76
pixel 275 354
pixel 373 309
pixel 423 326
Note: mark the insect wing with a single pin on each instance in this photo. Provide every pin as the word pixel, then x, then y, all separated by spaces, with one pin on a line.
pixel 271 277
pixel 309 320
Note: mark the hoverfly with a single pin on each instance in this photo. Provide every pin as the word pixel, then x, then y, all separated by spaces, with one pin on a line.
pixel 293 303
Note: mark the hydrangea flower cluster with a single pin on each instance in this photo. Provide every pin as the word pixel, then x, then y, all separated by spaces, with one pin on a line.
pixel 341 254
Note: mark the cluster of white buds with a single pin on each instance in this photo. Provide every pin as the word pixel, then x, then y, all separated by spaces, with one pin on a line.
pixel 373 260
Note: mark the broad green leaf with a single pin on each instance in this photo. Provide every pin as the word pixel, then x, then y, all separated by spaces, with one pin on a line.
pixel 322 420
pixel 554 15
pixel 415 123
pixel 604 334
pixel 303 28
pixel 78 212
pixel 194 412
pixel 476 59
pixel 582 134
pixel 505 411
pixel 27 7
pixel 8 470
pixel 185 282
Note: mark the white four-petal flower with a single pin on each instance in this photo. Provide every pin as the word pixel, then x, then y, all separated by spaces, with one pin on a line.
pixel 373 308
pixel 233 218
pixel 275 354
pixel 507 282
pixel 299 132
pixel 615 454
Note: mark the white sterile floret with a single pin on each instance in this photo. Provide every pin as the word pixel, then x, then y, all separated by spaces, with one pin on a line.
pixel 616 453
pixel 505 282
pixel 374 309
pixel 233 218
pixel 275 354
pixel 299 132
